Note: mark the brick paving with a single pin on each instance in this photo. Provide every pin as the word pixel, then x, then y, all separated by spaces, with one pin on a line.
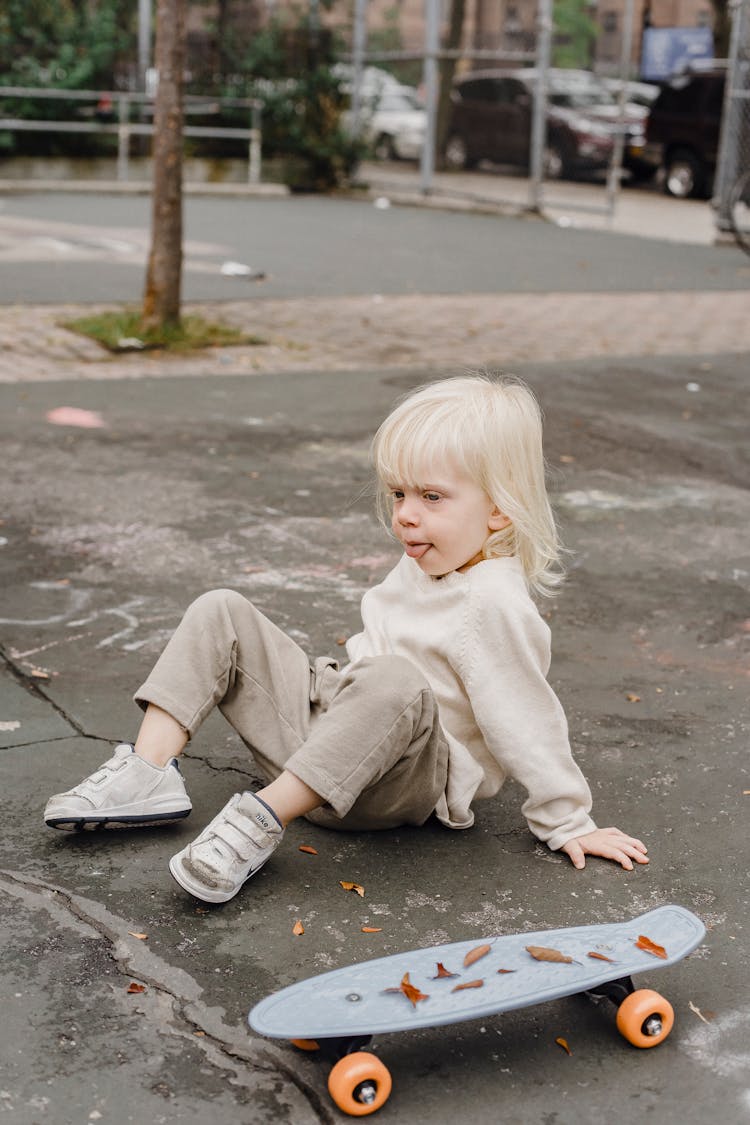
pixel 444 332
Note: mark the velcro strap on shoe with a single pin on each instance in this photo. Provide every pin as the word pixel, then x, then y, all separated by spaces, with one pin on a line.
pixel 241 833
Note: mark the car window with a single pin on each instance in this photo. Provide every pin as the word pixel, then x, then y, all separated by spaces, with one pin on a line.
pixel 398 102
pixel 479 90
pixel 515 91
pixel 580 97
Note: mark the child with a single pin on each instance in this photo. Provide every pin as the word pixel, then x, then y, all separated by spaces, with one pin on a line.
pixel 445 693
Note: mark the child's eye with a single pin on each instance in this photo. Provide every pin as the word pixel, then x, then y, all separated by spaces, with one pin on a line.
pixel 433 496
pixel 397 494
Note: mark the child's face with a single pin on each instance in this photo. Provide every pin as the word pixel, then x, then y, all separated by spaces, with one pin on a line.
pixel 444 522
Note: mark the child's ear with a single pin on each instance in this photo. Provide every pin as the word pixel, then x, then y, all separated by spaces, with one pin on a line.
pixel 498 521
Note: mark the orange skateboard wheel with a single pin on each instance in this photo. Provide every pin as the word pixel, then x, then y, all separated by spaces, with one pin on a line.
pixel 305 1044
pixel 359 1083
pixel 645 1018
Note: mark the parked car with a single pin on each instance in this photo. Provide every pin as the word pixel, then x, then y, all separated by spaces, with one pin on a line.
pixel 642 94
pixel 395 124
pixel 491 120
pixel 682 133
pixel 393 119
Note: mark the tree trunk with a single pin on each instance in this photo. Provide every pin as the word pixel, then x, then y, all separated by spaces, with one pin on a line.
pixel 161 301
pixel 446 69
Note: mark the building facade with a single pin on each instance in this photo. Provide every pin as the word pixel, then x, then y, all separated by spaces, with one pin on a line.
pixel 505 26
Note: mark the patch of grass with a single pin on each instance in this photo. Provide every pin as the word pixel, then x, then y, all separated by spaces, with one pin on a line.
pixel 123 331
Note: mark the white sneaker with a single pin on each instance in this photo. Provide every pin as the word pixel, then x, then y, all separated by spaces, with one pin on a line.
pixel 124 792
pixel 229 850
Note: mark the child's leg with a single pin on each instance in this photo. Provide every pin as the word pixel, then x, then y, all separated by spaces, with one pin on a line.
pixel 375 754
pixel 289 797
pixel 225 653
pixel 222 651
pixel 375 751
pixel 160 737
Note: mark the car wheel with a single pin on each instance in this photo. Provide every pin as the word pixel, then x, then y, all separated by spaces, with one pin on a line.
pixel 554 164
pixel 383 149
pixel 456 152
pixel 683 174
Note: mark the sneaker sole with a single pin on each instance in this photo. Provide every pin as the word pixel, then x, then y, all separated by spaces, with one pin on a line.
pixel 91 823
pixel 197 890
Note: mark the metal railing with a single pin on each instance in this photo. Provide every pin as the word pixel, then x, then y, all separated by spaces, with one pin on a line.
pixel 124 128
pixel 734 145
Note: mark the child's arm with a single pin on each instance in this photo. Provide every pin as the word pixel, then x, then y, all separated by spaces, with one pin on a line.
pixel 610 843
pixel 525 731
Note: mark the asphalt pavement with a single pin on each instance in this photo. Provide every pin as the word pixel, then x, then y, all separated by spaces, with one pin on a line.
pixel 261 483
pixel 68 246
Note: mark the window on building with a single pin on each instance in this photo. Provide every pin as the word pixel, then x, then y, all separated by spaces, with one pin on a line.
pixel 609 22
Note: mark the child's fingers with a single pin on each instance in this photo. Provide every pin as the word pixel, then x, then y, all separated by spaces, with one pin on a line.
pixel 576 854
pixel 625 855
pixel 626 841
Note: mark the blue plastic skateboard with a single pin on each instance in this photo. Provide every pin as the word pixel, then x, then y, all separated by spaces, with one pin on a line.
pixel 340 1011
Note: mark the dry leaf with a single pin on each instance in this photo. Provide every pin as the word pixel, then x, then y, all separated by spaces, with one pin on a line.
pixel 601 957
pixel 141 937
pixel 353 887
pixel 632 697
pixel 697 1011
pixel 372 929
pixel 443 973
pixel 468 984
pixel 135 987
pixel 298 929
pixel 475 954
pixel 564 1044
pixel 410 991
pixel 649 946
pixel 567 458
pixel 307 849
pixel 539 953
pixel 506 970
pixel 199 1034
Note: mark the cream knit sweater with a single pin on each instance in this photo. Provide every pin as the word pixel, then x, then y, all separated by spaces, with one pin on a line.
pixel 485 651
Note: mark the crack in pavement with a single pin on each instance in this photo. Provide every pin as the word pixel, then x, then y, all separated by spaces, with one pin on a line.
pixel 172 1001
pixel 206 760
pixel 33 688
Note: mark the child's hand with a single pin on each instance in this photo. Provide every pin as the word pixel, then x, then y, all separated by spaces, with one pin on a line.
pixel 610 843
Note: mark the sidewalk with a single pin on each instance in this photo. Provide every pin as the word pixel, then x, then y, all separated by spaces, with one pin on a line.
pixel 430 332
pixel 642 210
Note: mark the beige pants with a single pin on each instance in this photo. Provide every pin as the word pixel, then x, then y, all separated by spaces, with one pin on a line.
pixel 367 739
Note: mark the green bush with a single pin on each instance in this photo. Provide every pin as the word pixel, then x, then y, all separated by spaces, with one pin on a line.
pixel 61 44
pixel 292 70
pixel 91 45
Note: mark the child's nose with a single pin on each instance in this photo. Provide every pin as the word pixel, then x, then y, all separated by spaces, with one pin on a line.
pixel 407 512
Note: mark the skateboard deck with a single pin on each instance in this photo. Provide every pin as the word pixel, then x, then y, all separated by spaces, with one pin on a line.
pixel 367 999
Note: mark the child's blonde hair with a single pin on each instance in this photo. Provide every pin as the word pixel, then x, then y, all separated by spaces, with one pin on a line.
pixel 490 430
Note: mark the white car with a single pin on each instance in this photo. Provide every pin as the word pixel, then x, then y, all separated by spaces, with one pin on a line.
pixel 395 124
pixel 393 119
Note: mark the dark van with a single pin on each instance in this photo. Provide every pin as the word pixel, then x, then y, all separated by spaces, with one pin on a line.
pixel 682 134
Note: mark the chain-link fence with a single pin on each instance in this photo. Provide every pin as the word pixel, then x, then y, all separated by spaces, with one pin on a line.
pixel 734 147
pixel 494 100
